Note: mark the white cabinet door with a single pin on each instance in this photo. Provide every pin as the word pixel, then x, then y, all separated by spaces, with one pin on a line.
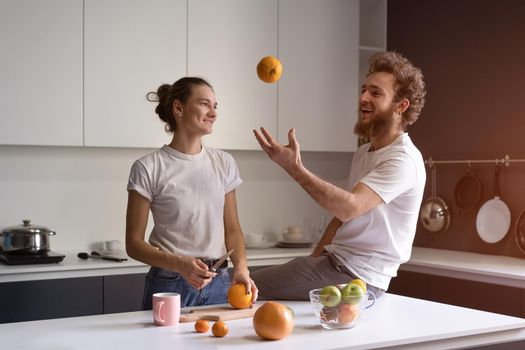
pixel 318 92
pixel 226 40
pixel 131 47
pixel 41 72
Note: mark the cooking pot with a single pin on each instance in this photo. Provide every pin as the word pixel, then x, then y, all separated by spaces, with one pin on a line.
pixel 434 214
pixel 26 238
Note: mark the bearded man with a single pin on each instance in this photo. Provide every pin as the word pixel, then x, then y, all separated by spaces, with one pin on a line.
pixel 375 217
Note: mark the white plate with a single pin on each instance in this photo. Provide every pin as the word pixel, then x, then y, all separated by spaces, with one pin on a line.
pixel 302 244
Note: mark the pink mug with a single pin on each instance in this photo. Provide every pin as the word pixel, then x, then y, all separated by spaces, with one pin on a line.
pixel 166 309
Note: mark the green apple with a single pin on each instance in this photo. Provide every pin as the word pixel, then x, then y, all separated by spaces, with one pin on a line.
pixel 352 293
pixel 330 296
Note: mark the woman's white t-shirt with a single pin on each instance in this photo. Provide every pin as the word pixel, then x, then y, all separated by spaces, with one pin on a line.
pixel 374 244
pixel 187 194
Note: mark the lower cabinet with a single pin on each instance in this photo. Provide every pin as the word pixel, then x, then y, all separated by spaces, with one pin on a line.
pixel 123 293
pixel 475 295
pixel 69 297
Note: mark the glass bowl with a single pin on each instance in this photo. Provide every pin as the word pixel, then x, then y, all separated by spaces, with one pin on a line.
pixel 345 314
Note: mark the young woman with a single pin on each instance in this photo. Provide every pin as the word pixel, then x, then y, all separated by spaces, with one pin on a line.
pixel 190 191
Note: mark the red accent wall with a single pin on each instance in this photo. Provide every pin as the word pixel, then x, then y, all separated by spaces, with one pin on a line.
pixel 472 54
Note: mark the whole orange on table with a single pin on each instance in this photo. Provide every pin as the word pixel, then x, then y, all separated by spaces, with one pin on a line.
pixel 269 69
pixel 219 329
pixel 273 321
pixel 202 326
pixel 238 297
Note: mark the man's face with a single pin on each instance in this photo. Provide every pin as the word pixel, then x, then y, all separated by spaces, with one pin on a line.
pixel 376 105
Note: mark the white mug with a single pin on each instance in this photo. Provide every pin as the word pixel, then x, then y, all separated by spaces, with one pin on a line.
pixel 112 246
pixel 255 239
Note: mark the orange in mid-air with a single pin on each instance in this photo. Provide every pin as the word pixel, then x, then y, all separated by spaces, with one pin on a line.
pixel 238 298
pixel 202 326
pixel 219 329
pixel 269 69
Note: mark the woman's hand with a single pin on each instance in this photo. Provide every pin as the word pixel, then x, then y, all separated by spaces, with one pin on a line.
pixel 243 276
pixel 195 272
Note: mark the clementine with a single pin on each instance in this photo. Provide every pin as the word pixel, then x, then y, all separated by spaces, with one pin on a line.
pixel 273 321
pixel 202 326
pixel 269 69
pixel 219 329
pixel 238 298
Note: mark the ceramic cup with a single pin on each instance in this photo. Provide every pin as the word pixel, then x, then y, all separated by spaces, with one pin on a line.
pixel 112 246
pixel 293 234
pixel 255 239
pixel 166 309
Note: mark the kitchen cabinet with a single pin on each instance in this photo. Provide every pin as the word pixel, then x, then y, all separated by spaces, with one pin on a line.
pixel 372 32
pixel 318 91
pixel 68 297
pixel 123 293
pixel 41 72
pixel 472 294
pixel 38 300
pixel 226 40
pixel 130 48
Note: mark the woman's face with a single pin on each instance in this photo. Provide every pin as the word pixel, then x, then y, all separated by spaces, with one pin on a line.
pixel 199 113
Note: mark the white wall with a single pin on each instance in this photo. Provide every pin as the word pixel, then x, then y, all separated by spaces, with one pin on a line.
pixel 81 192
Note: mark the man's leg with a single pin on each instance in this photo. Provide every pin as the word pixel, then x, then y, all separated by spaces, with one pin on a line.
pixel 293 280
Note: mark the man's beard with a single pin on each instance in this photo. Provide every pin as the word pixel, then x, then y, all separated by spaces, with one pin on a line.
pixel 372 127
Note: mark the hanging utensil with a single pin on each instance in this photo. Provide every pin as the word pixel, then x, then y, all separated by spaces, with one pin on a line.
pixel 468 191
pixel 520 231
pixel 493 220
pixel 434 214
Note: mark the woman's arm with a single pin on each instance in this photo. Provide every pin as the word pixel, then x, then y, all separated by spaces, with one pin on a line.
pixel 235 239
pixel 192 270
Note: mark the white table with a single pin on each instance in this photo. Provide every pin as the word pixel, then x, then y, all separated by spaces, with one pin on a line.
pixel 394 322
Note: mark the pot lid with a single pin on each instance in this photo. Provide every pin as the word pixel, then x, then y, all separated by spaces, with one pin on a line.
pixel 26 227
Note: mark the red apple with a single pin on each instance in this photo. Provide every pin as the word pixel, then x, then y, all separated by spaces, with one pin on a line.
pixel 348 313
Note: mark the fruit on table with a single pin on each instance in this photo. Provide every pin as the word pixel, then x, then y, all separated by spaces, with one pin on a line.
pixel 359 282
pixel 330 296
pixel 269 69
pixel 348 313
pixel 202 326
pixel 273 321
pixel 219 329
pixel 352 293
pixel 238 298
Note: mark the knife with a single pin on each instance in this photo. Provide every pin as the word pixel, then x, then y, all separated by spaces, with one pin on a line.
pixel 221 260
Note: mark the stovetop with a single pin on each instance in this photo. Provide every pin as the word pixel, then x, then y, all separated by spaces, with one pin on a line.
pixel 11 258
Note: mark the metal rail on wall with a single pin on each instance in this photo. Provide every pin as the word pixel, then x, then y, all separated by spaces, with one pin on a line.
pixel 503 161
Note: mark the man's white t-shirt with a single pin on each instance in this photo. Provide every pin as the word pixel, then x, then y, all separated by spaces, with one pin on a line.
pixel 373 245
pixel 187 194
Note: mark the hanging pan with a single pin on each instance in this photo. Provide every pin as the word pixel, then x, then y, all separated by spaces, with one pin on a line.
pixel 493 220
pixel 520 231
pixel 434 214
pixel 468 191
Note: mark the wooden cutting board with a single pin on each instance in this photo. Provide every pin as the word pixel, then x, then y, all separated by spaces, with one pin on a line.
pixel 217 313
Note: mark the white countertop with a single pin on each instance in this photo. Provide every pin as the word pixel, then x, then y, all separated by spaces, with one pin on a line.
pixel 493 269
pixel 394 322
pixel 501 270
pixel 72 266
